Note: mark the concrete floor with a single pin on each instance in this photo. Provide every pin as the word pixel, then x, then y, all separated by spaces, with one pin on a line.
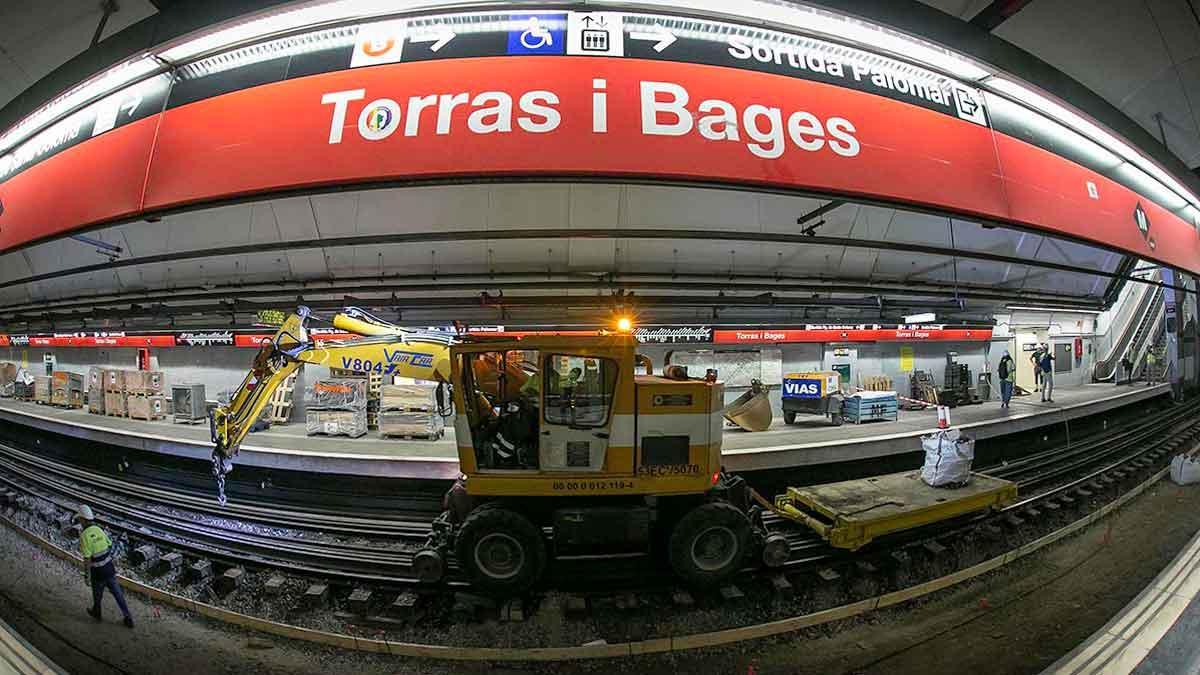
pixel 812 440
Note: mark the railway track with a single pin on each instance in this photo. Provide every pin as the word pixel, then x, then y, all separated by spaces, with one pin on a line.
pixel 356 550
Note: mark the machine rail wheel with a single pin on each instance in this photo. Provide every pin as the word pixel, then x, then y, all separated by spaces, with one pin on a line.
pixel 789 417
pixel 709 543
pixel 501 551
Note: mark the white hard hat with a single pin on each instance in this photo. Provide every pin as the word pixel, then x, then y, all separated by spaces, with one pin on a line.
pixel 85 513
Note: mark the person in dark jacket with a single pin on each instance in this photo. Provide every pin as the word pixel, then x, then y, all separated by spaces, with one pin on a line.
pixel 1036 359
pixel 1046 362
pixel 97 551
pixel 1127 366
pixel 1007 370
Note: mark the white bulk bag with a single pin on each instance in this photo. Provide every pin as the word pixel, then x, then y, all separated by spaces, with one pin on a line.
pixel 1185 470
pixel 948 457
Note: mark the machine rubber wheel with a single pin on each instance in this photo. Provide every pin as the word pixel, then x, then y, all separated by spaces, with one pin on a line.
pixel 709 543
pixel 501 551
pixel 789 417
pixel 837 419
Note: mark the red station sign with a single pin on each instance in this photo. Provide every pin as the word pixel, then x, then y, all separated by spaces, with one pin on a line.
pixel 534 116
pixel 910 334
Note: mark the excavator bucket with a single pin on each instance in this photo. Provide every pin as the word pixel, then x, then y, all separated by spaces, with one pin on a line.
pixel 752 410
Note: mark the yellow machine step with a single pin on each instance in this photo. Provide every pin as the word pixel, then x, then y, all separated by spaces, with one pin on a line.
pixel 851 513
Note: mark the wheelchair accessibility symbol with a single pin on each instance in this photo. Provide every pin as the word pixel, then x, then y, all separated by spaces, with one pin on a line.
pixel 537 34
pixel 536 37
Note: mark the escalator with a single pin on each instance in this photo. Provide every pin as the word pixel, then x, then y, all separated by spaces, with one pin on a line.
pixel 1138 334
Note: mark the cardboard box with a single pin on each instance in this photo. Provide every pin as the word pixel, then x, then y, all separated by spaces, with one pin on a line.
pixel 146 407
pixel 411 423
pixel 143 382
pixel 352 423
pixel 114 380
pixel 114 404
pixel 413 397
pixel 43 388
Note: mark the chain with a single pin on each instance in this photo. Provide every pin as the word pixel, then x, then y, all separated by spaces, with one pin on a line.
pixel 221 467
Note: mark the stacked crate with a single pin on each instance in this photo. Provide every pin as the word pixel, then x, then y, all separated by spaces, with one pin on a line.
pixel 66 389
pixel 114 392
pixel 336 407
pixel 143 389
pixel 374 387
pixel 95 390
pixel 8 379
pixel 189 403
pixel 409 410
pixel 43 389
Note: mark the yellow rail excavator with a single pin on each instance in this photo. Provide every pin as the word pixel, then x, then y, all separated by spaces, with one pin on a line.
pixel 554 433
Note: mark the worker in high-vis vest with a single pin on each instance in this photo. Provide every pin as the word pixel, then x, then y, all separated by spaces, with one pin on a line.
pixel 97 551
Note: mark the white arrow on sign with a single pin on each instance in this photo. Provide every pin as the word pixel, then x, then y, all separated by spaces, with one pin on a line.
pixel 662 36
pixel 131 105
pixel 439 39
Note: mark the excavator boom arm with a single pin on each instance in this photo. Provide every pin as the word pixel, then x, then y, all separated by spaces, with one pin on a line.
pixel 384 349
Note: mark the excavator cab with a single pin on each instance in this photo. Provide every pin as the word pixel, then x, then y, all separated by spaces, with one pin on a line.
pixel 543 407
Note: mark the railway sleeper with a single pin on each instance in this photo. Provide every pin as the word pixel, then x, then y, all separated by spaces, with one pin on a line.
pixel 228 582
pixel 513 611
pixel 359 601
pixel 199 570
pixel 575 605
pixel 934 549
pixel 625 601
pixel 316 596
pixel 146 554
pixel 682 598
pixel 275 584
pixel 828 575
pixel 731 593
pixel 781 586
pixel 166 564
pixel 406 606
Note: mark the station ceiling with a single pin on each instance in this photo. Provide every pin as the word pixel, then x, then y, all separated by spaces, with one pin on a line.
pixel 1142 56
pixel 41 36
pixel 508 251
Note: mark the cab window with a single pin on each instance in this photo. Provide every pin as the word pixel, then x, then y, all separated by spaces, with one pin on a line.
pixel 502 397
pixel 579 389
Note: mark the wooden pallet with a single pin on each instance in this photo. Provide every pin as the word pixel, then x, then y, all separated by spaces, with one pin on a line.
pixel 415 437
pixel 877 383
pixel 280 407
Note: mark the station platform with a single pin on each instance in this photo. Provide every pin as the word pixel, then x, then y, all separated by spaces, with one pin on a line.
pixel 810 441
pixel 1155 633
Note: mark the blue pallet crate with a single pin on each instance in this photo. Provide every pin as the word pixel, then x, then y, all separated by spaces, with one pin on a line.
pixel 876 407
